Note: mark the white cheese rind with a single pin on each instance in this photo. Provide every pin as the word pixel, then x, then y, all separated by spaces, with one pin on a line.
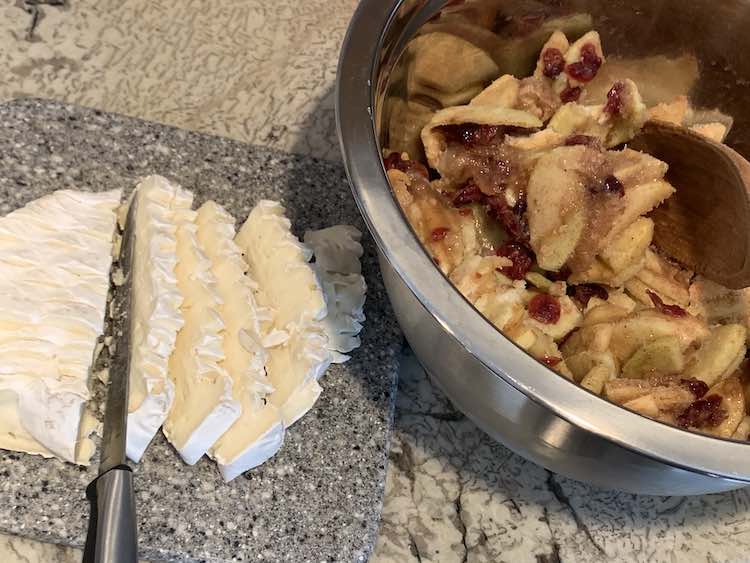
pixel 203 407
pixel 258 433
pixel 161 207
pixel 262 439
pixel 54 277
pixel 337 252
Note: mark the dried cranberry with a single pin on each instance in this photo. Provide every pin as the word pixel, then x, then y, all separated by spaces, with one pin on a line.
pixel 439 234
pixel 570 94
pixel 610 185
pixel 697 387
pixel 469 193
pixel 521 258
pixel 562 275
pixel 585 70
pixel 671 310
pixel 572 140
pixel 703 413
pixel 471 134
pixel 584 292
pixel 512 219
pixel 545 308
pixel 615 99
pixel 394 161
pixel 613 186
pixel 553 62
pixel 551 361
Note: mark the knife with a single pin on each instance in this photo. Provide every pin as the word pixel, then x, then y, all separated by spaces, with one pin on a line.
pixel 112 533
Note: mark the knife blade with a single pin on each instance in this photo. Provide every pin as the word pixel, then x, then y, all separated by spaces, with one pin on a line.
pixel 112 532
pixel 116 405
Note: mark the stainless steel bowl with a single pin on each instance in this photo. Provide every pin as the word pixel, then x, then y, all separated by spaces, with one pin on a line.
pixel 511 396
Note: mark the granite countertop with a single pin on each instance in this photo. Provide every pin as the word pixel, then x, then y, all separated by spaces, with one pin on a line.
pixel 263 72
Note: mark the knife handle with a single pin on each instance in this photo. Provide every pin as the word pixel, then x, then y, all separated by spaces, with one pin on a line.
pixel 112 533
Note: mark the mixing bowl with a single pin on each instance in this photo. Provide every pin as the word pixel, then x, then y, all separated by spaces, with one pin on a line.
pixel 508 394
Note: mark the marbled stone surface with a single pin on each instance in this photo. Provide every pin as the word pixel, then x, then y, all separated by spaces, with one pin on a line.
pixel 258 71
pixel 320 497
pixel 452 494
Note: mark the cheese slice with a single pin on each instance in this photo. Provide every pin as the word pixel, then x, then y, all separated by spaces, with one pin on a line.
pixel 289 286
pixel 55 257
pixel 279 262
pixel 294 369
pixel 203 407
pixel 258 433
pixel 161 208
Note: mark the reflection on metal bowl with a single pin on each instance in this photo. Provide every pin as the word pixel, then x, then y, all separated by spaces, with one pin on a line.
pixel 402 62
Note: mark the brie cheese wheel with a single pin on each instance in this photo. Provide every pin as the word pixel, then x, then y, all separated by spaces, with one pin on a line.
pixel 161 208
pixel 337 252
pixel 55 258
pixel 204 407
pixel 258 433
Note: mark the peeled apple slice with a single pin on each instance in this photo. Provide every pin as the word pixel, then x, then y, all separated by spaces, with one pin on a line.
pixel 719 355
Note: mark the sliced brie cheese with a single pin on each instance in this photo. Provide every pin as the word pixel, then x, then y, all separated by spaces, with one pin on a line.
pixel 289 286
pixel 54 277
pixel 280 264
pixel 258 433
pixel 294 369
pixel 161 208
pixel 203 407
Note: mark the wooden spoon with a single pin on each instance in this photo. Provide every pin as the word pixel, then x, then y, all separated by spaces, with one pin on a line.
pixel 705 225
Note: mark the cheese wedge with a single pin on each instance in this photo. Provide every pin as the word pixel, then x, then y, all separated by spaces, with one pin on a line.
pixel 55 258
pixel 204 407
pixel 259 432
pixel 162 207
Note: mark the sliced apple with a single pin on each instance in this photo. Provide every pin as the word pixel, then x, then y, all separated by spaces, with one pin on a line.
pixel 742 432
pixel 434 141
pixel 448 69
pixel 670 282
pixel 660 356
pixel 629 246
pixel 595 379
pixel 720 355
pixel 583 362
pixel 596 338
pixel 733 404
pixel 605 313
pixel 645 326
pixel 503 92
pixel 556 211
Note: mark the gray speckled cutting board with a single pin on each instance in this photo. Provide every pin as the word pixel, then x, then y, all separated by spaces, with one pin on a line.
pixel 319 499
